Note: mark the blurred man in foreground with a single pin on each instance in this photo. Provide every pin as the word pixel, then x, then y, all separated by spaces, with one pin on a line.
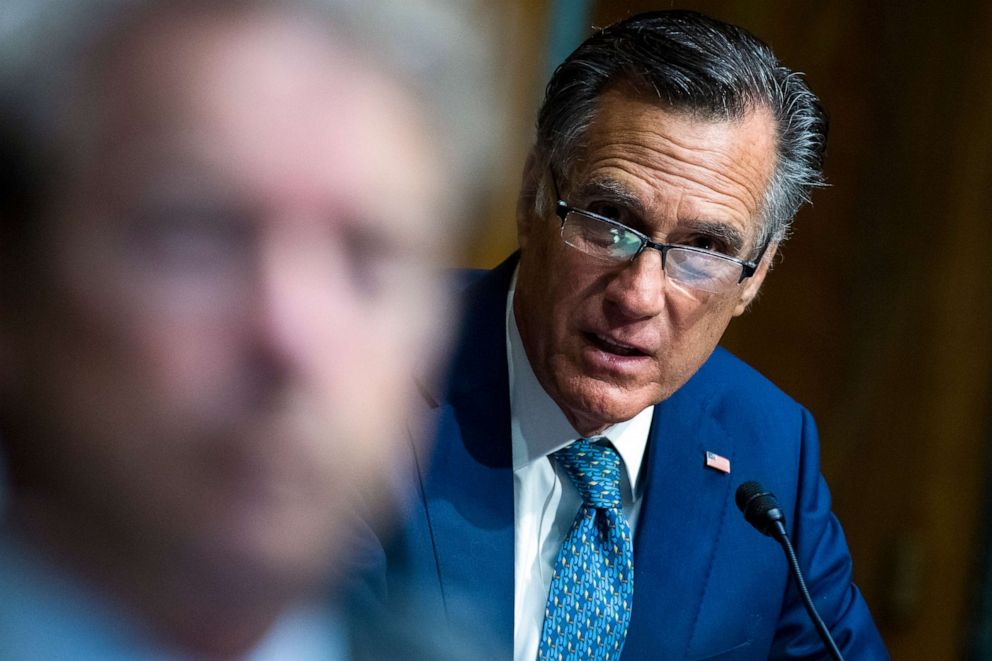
pixel 581 496
pixel 218 226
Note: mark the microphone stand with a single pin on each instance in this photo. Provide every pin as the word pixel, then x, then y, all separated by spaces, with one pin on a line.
pixel 779 534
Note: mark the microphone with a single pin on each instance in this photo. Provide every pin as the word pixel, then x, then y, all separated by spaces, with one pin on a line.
pixel 760 508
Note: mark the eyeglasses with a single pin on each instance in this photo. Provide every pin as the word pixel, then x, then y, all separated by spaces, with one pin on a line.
pixel 609 241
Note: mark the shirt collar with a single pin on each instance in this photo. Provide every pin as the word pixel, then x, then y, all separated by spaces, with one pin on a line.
pixel 538 426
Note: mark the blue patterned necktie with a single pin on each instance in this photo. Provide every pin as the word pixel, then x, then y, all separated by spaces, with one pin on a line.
pixel 593 585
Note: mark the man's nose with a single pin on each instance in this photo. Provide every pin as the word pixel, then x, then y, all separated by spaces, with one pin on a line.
pixel 296 312
pixel 639 288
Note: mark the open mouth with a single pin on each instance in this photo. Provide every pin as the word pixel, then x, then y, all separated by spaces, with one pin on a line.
pixel 610 346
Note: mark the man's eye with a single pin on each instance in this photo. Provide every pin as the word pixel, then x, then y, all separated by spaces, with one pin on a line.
pixel 710 243
pixel 190 237
pixel 376 264
pixel 607 210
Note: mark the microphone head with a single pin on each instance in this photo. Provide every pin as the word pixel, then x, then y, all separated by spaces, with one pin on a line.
pixel 760 508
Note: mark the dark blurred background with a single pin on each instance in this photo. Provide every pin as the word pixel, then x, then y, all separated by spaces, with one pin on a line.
pixel 877 316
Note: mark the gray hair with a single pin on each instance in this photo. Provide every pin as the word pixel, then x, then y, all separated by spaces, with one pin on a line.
pixel 694 64
pixel 428 46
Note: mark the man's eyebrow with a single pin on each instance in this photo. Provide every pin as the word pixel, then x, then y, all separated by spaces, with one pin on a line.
pixel 611 190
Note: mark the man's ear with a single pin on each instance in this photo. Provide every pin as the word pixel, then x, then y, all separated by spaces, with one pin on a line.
pixel 527 200
pixel 753 284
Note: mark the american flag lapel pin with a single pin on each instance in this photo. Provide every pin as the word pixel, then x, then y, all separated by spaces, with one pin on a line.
pixel 716 462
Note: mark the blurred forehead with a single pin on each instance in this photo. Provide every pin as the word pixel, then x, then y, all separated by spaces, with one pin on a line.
pixel 265 96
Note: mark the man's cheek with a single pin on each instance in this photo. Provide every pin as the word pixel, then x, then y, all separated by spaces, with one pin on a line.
pixel 189 361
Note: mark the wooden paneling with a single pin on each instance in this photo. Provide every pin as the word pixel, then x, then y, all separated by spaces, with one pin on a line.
pixel 521 42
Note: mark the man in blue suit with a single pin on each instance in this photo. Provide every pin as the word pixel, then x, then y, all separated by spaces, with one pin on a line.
pixel 672 152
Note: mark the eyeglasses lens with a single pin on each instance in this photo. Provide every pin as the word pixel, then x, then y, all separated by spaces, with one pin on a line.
pixel 612 243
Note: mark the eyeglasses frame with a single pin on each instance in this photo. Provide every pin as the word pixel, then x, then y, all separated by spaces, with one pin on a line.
pixel 562 209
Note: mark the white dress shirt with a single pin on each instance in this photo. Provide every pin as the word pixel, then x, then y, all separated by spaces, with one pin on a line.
pixel 545 502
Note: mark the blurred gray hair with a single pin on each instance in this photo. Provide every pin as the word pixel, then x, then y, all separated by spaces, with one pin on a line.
pixel 428 46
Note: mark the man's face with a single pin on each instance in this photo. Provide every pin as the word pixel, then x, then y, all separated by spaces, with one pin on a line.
pixel 239 290
pixel 607 340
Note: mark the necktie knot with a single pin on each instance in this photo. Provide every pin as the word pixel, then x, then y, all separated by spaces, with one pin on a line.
pixel 595 472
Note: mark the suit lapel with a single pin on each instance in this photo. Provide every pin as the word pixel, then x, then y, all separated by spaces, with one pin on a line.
pixel 681 520
pixel 469 489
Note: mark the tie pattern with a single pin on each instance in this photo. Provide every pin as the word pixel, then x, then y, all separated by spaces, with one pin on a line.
pixel 592 588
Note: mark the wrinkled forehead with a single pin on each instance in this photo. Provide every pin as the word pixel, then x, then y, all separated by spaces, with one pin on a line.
pixel 638 95
pixel 636 141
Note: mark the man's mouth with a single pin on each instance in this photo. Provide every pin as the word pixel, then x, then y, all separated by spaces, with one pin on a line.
pixel 612 346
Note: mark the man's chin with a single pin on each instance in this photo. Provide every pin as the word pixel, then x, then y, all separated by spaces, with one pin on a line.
pixel 267 564
pixel 260 542
pixel 592 405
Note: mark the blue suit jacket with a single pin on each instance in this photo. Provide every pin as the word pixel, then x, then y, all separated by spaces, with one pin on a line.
pixel 706 584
